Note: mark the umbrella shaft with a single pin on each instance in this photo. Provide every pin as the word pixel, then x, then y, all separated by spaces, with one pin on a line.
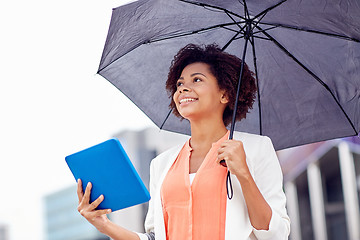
pixel 238 91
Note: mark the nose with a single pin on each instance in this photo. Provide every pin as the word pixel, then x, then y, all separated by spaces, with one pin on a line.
pixel 183 88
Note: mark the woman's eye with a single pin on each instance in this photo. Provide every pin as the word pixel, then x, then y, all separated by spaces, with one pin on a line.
pixel 178 84
pixel 197 80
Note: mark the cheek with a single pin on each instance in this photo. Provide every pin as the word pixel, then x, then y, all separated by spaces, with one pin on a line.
pixel 175 96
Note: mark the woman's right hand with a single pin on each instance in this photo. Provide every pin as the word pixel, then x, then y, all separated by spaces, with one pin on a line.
pixel 88 210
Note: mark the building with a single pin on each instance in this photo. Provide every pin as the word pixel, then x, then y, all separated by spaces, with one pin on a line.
pixel 322 185
pixel 4 231
pixel 63 221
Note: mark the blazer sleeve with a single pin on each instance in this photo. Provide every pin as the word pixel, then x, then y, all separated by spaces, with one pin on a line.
pixel 149 221
pixel 269 179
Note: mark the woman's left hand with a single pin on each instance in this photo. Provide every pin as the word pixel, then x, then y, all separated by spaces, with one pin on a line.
pixel 232 151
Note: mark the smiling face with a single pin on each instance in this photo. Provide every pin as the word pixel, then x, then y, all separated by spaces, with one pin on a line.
pixel 198 94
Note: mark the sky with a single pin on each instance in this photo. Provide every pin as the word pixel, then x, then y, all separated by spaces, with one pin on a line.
pixel 52 102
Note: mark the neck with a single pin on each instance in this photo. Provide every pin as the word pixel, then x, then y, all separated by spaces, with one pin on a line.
pixel 206 132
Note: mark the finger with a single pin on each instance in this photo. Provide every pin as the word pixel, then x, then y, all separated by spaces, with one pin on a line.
pixel 103 211
pixel 98 213
pixel 222 157
pixel 220 150
pixel 79 190
pixel 230 143
pixel 86 198
pixel 223 148
pixel 96 203
pixel 225 143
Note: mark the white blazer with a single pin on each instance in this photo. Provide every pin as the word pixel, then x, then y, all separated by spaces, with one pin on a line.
pixel 264 168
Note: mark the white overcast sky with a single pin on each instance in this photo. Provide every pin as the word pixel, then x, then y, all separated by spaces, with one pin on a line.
pixel 52 103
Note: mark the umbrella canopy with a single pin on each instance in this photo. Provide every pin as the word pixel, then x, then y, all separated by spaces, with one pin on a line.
pixel 305 55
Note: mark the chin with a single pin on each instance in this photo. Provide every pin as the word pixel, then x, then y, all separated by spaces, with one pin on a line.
pixel 185 115
pixel 191 116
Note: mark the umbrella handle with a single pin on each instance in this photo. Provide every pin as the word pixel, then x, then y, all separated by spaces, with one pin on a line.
pixel 229 188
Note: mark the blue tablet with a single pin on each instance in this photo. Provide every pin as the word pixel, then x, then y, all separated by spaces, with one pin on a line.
pixel 109 169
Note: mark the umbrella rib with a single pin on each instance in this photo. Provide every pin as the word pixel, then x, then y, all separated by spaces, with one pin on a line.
pixel 257 82
pixel 311 73
pixel 239 37
pixel 236 31
pixel 230 41
pixel 136 46
pixel 246 10
pixel 258 21
pixel 312 31
pixel 211 6
pixel 171 37
pixel 270 28
pixel 228 14
pixel 270 8
pixel 239 31
pixel 189 33
pixel 167 116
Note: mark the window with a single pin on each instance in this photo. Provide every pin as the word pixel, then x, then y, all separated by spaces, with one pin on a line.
pixel 357 172
pixel 333 196
pixel 306 225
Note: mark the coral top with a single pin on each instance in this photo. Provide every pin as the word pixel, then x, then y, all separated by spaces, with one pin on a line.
pixel 195 211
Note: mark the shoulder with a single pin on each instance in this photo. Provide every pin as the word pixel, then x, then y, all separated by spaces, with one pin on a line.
pixel 252 139
pixel 255 145
pixel 169 155
pixel 161 164
pixel 169 152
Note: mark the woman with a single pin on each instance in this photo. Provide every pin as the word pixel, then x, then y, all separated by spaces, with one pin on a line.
pixel 187 183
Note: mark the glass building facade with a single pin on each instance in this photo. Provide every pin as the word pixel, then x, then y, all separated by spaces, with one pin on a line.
pixel 63 221
pixel 4 235
pixel 322 183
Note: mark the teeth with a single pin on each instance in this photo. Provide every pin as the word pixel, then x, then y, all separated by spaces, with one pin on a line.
pixel 187 100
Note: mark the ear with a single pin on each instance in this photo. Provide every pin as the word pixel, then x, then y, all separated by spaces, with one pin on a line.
pixel 224 98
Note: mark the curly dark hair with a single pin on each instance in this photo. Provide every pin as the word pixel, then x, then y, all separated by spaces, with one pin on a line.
pixel 226 69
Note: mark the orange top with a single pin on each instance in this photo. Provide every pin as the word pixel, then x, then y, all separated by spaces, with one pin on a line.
pixel 195 211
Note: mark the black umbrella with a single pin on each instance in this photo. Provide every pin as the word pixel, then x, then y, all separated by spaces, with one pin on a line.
pixel 305 55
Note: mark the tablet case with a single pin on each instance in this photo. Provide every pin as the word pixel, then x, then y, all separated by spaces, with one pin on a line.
pixel 109 169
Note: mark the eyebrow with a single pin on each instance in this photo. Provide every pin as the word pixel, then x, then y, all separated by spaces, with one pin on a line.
pixel 193 75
